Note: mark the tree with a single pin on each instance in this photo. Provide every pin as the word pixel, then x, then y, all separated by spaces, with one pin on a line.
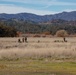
pixel 7 31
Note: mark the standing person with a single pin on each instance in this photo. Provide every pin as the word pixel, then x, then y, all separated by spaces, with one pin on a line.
pixel 64 39
pixel 25 39
pixel 19 40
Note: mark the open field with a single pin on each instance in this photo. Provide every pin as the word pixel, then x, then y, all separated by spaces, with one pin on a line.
pixel 39 56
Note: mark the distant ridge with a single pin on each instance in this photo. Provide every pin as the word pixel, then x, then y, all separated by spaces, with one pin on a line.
pixel 68 16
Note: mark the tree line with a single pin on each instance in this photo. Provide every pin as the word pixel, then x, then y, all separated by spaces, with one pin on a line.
pixel 10 27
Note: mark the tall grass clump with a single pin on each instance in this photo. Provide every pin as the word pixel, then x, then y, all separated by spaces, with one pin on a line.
pixel 37 53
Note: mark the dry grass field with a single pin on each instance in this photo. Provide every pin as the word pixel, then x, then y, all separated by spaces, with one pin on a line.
pixel 38 47
pixel 39 56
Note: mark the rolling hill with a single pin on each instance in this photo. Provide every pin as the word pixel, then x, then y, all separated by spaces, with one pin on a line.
pixel 68 16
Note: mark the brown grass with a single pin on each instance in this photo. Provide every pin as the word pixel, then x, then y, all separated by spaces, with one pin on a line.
pixel 46 47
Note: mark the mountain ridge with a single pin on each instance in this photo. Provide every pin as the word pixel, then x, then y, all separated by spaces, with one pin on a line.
pixel 68 16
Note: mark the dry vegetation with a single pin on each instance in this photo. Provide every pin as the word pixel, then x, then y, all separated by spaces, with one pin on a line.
pixel 39 56
pixel 38 48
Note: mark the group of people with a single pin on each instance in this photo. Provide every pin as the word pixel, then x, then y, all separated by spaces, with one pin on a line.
pixel 24 39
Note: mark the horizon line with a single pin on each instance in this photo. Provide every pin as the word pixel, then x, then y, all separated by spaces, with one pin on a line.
pixel 37 14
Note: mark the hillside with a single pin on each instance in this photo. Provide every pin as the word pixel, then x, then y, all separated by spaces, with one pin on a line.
pixel 31 23
pixel 31 27
pixel 68 16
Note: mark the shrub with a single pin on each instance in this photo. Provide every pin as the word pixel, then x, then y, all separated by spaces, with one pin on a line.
pixel 47 33
pixel 36 35
pixel 61 33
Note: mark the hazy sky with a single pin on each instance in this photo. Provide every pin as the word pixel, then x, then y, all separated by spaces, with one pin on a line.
pixel 40 7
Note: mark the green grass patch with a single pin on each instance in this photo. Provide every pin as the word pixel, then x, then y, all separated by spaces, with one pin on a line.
pixel 37 67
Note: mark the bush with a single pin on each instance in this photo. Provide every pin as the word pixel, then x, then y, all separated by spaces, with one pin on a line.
pixel 36 35
pixel 61 33
pixel 47 33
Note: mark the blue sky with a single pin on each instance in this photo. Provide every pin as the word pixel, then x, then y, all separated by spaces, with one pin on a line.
pixel 39 7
